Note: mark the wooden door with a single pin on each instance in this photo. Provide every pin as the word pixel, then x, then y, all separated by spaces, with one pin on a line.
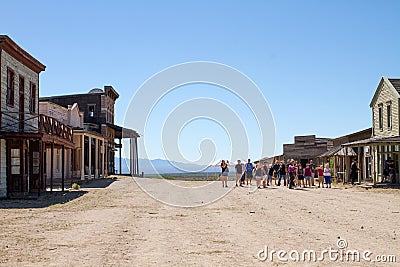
pixel 34 162
pixel 15 167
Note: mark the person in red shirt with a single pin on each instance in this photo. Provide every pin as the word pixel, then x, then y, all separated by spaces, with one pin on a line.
pixel 320 170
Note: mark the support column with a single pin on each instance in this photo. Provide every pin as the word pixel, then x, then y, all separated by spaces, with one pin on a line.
pixel 346 167
pixel 51 166
pixel 137 157
pixel 131 159
pixel 90 158
pixel 83 157
pixel 96 159
pixel 359 164
pixel 120 156
pixel 62 168
pixel 374 163
pixel 102 160
pixel 41 163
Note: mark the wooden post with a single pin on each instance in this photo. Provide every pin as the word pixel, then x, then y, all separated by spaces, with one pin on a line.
pixel 120 156
pixel 83 157
pixel 51 166
pixel 131 159
pixel 40 166
pixel 96 159
pixel 90 157
pixel 62 168
pixel 102 159
pixel 345 165
pixel 359 164
pixel 137 157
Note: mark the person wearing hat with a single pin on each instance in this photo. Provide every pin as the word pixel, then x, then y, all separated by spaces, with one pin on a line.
pixel 353 172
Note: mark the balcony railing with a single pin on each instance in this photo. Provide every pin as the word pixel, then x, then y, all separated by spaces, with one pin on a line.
pixel 51 126
pixel 36 124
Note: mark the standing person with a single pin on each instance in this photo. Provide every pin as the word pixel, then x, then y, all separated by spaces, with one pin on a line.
pixel 287 173
pixel 292 172
pixel 282 173
pixel 265 175
pixel 308 174
pixel 386 170
pixel 270 174
pixel 392 171
pixel 276 168
pixel 327 176
pixel 224 173
pixel 258 175
pixel 354 172
pixel 249 171
pixel 239 172
pixel 320 170
pixel 300 175
pixel 312 166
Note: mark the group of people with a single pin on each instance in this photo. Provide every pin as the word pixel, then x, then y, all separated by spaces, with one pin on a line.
pixel 292 174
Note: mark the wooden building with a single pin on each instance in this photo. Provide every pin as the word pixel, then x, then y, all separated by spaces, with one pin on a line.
pixel 98 119
pixel 24 134
pixel 385 140
pixel 306 148
pixel 86 160
pixel 340 157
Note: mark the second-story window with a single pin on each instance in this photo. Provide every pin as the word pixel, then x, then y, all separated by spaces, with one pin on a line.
pixel 380 116
pixel 389 115
pixel 32 102
pixel 91 110
pixel 10 87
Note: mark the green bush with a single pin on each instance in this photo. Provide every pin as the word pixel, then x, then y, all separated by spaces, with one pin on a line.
pixel 75 186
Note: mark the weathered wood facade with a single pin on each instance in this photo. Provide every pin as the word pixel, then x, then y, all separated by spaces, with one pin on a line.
pixel 385 140
pixel 24 133
pixel 341 158
pixel 86 159
pixel 98 119
pixel 306 148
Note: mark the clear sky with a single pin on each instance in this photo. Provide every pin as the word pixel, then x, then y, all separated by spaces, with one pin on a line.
pixel 317 63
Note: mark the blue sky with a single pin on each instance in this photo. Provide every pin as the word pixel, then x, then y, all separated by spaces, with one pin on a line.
pixel 317 63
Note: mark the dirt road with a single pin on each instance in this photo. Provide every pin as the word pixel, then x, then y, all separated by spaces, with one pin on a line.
pixel 114 223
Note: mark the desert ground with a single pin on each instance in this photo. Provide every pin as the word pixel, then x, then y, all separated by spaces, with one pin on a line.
pixel 112 222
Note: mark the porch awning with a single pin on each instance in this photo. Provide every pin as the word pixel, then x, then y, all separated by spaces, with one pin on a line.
pixel 339 151
pixel 374 140
pixel 121 132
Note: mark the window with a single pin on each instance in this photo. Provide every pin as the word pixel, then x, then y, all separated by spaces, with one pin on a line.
pixel 32 102
pixel 91 110
pixel 380 116
pixel 10 87
pixel 389 116
pixel 15 161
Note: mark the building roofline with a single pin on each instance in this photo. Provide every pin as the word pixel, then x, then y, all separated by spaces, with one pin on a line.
pixel 353 134
pixel 8 45
pixel 378 90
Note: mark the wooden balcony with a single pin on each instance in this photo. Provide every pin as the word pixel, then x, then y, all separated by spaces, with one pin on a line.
pixel 49 125
pixel 46 127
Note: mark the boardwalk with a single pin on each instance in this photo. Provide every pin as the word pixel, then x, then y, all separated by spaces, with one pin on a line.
pixel 117 224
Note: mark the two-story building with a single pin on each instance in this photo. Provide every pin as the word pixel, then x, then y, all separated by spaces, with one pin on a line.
pixel 98 118
pixel 24 133
pixel 385 140
pixel 86 160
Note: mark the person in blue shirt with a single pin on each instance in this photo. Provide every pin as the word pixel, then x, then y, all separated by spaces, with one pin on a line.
pixel 249 171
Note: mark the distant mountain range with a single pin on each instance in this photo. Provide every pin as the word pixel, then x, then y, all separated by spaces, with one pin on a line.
pixel 161 166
